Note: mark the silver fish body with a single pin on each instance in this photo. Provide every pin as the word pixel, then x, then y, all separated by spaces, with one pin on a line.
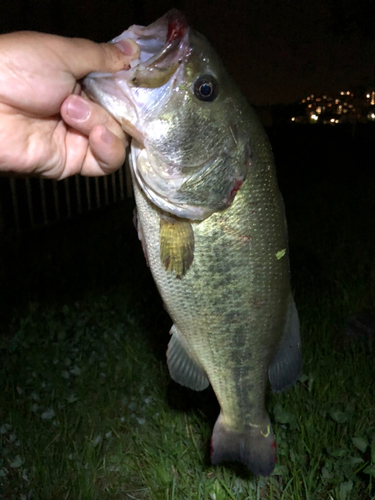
pixel 212 224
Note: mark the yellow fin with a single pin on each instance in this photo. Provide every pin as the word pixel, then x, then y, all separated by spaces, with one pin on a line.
pixel 176 238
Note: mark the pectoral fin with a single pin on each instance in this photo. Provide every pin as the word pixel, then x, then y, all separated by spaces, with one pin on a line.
pixel 176 244
pixel 287 365
pixel 182 367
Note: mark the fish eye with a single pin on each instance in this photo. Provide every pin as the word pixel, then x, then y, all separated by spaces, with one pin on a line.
pixel 206 88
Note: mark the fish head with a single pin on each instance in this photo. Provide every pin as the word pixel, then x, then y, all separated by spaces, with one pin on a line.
pixel 188 120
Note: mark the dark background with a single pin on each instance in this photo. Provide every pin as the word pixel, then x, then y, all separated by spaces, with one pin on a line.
pixel 277 50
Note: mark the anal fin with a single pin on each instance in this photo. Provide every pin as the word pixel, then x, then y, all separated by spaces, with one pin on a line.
pixel 287 364
pixel 182 367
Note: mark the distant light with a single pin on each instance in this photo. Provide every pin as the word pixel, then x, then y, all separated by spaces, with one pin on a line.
pixel 368 96
pixel 348 93
pixel 293 118
pixel 336 121
pixel 371 116
pixel 342 92
pixel 309 106
pixel 332 120
pixel 337 101
pixel 308 98
pixel 303 100
pixel 314 117
pixel 318 99
pixel 324 97
pixel 318 110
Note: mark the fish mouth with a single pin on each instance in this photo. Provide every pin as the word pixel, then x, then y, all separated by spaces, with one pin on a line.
pixel 163 47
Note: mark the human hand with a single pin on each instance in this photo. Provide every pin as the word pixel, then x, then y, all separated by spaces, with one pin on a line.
pixel 47 128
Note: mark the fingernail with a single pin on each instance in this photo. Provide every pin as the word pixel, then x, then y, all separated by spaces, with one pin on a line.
pixel 78 108
pixel 128 47
pixel 107 136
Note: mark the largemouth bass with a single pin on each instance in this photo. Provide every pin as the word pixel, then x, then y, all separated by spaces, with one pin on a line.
pixel 212 225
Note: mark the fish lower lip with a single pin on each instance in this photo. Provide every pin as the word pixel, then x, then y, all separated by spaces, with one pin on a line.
pixel 177 28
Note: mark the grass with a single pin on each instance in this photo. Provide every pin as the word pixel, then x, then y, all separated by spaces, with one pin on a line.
pixel 87 408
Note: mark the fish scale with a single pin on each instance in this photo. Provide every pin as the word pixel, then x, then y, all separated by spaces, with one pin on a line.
pixel 217 261
pixel 212 225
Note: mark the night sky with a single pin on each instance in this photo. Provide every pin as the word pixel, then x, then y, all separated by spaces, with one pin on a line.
pixel 277 50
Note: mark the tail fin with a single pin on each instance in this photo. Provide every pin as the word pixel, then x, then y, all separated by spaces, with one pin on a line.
pixel 255 447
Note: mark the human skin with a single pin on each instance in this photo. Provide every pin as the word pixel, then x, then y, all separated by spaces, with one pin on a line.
pixel 47 127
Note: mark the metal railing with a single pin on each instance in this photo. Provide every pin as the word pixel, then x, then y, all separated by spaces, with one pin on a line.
pixel 29 203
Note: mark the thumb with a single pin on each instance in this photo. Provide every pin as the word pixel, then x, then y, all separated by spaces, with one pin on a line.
pixel 100 57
